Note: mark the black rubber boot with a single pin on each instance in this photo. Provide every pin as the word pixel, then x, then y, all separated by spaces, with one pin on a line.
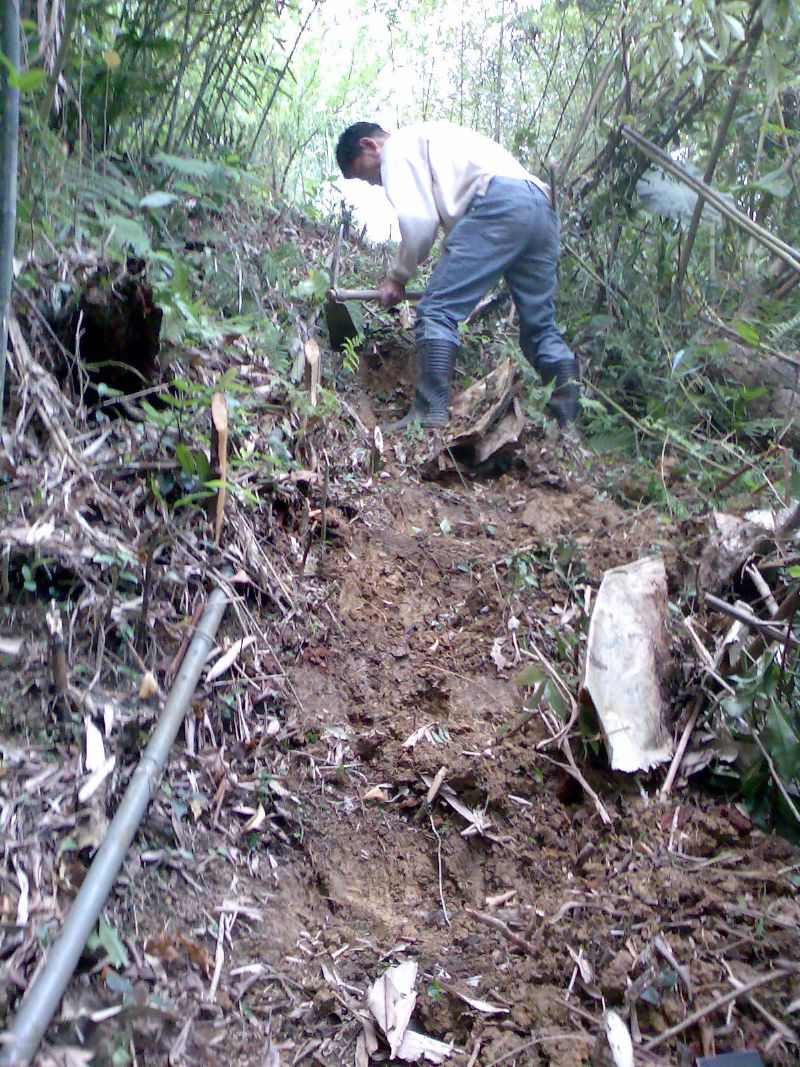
pixel 436 361
pixel 563 403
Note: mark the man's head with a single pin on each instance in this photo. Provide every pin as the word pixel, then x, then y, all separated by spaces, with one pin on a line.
pixel 358 152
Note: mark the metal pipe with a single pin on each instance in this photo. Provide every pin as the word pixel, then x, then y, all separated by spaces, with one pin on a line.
pixel 43 996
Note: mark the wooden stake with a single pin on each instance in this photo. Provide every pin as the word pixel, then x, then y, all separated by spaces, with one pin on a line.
pixel 219 459
pixel 58 653
pixel 313 367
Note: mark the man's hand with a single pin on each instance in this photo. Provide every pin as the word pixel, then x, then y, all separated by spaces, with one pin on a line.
pixel 390 293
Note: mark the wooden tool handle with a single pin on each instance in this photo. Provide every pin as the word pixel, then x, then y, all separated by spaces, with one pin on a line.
pixel 339 295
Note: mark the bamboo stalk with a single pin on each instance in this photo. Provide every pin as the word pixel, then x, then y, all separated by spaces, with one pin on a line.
pixel 43 995
pixel 583 123
pixel 658 156
pixel 790 255
pixel 9 137
pixel 70 18
pixel 281 75
pixel 716 150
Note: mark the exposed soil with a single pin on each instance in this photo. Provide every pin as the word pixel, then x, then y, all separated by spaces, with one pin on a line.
pixel 429 599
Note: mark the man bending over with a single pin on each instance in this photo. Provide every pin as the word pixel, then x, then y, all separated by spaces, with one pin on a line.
pixel 499 221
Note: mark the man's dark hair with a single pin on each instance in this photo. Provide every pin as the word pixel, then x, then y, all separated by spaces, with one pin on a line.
pixel 349 147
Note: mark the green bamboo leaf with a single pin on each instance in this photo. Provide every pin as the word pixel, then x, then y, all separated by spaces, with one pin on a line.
pixel 746 332
pixel 158 198
pixel 130 233
pixel 24 80
pixel 186 459
pixel 782 742
pixel 777 183
pixel 29 80
pixel 194 168
pixel 734 26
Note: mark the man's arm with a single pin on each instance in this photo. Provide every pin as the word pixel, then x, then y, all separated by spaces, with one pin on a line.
pixel 408 184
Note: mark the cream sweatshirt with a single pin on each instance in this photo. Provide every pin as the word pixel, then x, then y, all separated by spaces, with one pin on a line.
pixel 430 173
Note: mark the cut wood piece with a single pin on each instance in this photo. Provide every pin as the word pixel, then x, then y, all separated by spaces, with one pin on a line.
pixel 11 646
pixel 627 651
pixel 732 540
pixel 219 460
pixel 487 420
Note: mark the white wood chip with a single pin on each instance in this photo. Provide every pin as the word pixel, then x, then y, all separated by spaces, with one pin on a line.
pixel 96 779
pixel 227 659
pixel 95 749
pixel 255 821
pixel 619 1040
pixel 23 904
pixel 108 719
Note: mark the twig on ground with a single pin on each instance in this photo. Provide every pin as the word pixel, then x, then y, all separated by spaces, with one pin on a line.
pixel 785 1031
pixel 677 759
pixel 225 923
pixel 561 738
pixel 769 629
pixel 475 1053
pixel 439 857
pixel 503 928
pixel 708 659
pixel 571 768
pixel 682 972
pixel 537 1041
pixel 720 1002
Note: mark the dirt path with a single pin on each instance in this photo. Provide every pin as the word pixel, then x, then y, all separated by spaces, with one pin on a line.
pixel 430 600
pixel 418 595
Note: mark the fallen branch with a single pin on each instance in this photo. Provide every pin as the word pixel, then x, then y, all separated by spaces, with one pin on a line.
pixel 786 610
pixel 720 1002
pixel 501 927
pixel 677 759
pixel 747 617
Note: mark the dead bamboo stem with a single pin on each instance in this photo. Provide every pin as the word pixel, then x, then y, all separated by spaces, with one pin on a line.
pixel 790 255
pixel 720 1002
pixel 769 629
pixel 677 759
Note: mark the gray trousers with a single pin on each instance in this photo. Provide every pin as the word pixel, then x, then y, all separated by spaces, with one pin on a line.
pixel 511 231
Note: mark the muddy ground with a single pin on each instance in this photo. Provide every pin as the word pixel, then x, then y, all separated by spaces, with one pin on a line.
pixel 428 600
